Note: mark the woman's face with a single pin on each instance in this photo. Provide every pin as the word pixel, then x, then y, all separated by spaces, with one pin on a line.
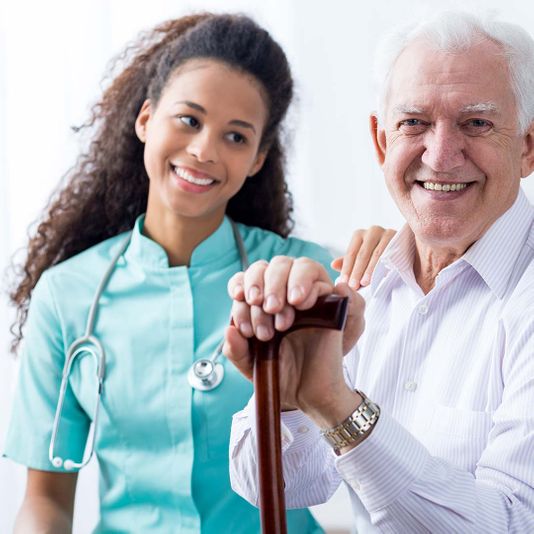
pixel 202 139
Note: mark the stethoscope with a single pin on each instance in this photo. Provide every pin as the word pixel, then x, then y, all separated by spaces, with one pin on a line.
pixel 204 375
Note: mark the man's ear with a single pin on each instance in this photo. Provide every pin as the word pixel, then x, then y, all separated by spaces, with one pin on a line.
pixel 378 136
pixel 142 120
pixel 258 164
pixel 527 157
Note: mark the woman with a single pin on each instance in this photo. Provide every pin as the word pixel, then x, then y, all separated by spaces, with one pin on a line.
pixel 186 141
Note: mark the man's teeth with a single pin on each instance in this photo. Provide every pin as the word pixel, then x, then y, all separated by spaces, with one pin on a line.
pixel 192 179
pixel 443 187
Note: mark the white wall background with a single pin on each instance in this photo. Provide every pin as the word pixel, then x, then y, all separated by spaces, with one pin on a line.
pixel 52 57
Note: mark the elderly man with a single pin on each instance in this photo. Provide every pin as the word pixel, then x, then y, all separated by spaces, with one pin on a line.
pixel 444 440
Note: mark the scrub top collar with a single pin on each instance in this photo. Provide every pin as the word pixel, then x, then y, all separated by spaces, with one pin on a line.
pixel 217 249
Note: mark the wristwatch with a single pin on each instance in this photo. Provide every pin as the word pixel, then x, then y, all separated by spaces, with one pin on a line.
pixel 356 425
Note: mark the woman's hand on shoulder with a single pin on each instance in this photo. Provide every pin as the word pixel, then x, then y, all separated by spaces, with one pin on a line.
pixel 363 252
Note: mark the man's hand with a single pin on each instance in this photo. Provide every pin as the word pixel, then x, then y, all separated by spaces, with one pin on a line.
pixel 311 372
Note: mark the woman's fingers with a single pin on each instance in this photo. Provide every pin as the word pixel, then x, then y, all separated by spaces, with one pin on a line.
pixel 387 236
pixel 363 252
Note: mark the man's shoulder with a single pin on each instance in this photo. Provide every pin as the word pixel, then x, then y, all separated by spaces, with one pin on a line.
pixel 520 304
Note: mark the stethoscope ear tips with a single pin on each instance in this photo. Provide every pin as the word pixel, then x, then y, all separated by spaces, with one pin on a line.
pixel 68 465
pixel 57 462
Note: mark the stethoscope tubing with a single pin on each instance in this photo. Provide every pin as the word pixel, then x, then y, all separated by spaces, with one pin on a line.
pixel 89 343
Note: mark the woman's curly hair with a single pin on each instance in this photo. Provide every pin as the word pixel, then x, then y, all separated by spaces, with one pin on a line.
pixel 107 189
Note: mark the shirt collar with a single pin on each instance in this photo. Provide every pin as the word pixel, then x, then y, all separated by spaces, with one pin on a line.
pixel 398 256
pixel 493 256
pixel 218 247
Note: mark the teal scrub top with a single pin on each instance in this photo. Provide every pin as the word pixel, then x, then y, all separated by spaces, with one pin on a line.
pixel 162 447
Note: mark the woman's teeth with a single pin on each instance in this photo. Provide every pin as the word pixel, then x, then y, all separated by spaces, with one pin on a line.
pixel 192 179
pixel 443 187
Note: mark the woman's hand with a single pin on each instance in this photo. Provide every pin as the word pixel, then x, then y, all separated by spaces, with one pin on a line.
pixel 359 262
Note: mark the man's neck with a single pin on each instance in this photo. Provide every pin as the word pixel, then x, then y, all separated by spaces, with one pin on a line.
pixel 429 261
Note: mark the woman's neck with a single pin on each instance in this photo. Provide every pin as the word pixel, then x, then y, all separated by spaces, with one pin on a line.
pixel 179 236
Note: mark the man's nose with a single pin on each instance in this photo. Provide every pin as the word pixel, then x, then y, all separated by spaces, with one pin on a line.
pixel 203 147
pixel 444 148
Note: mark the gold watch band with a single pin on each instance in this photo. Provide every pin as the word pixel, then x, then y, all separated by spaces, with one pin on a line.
pixel 354 426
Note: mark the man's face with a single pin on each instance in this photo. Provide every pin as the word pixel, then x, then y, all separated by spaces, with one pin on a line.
pixel 449 146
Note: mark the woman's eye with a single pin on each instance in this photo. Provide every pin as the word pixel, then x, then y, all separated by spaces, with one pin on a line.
pixel 189 121
pixel 237 138
pixel 477 126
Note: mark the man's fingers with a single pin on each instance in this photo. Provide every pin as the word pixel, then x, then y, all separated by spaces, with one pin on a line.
pixel 241 318
pixel 307 280
pixel 262 323
pixel 254 283
pixel 235 348
pixel 275 283
pixel 284 319
pixel 355 316
pixel 236 286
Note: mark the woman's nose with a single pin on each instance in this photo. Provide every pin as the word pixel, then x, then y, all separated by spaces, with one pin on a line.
pixel 203 147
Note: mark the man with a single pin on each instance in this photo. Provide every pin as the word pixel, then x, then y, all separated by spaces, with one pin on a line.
pixel 445 441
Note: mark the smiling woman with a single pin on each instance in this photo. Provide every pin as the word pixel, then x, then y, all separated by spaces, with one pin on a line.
pixel 181 185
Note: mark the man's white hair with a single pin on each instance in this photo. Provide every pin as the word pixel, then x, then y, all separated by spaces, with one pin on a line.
pixel 456 31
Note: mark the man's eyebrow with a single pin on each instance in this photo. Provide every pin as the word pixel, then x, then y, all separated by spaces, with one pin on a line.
pixel 480 107
pixel 408 109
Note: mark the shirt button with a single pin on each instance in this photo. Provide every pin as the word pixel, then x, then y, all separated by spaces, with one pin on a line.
pixel 422 309
pixel 410 385
pixel 354 484
pixel 302 429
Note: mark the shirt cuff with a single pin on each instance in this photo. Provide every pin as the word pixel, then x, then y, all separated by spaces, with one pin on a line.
pixel 384 465
pixel 297 429
pixel 301 428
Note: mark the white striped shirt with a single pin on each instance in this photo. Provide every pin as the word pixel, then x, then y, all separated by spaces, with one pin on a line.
pixel 453 373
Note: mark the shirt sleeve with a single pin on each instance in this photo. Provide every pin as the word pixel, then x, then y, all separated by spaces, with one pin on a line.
pixel 309 469
pixel 36 397
pixel 406 489
pixel 308 463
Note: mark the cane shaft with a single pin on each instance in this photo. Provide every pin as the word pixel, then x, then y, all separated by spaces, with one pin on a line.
pixel 329 312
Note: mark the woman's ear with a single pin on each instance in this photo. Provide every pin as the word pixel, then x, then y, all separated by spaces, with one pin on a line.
pixel 258 164
pixel 378 136
pixel 142 120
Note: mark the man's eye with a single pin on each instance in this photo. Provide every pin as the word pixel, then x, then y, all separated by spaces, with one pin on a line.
pixel 189 121
pixel 477 126
pixel 236 137
pixel 412 125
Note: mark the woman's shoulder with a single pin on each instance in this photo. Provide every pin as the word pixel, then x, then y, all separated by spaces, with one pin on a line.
pixel 86 266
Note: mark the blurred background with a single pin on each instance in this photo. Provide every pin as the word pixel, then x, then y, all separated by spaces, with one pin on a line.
pixel 52 59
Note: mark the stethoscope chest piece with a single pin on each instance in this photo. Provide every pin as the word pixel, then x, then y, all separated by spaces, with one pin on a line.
pixel 205 375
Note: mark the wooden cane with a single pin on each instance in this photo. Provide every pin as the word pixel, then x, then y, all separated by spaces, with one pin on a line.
pixel 328 312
